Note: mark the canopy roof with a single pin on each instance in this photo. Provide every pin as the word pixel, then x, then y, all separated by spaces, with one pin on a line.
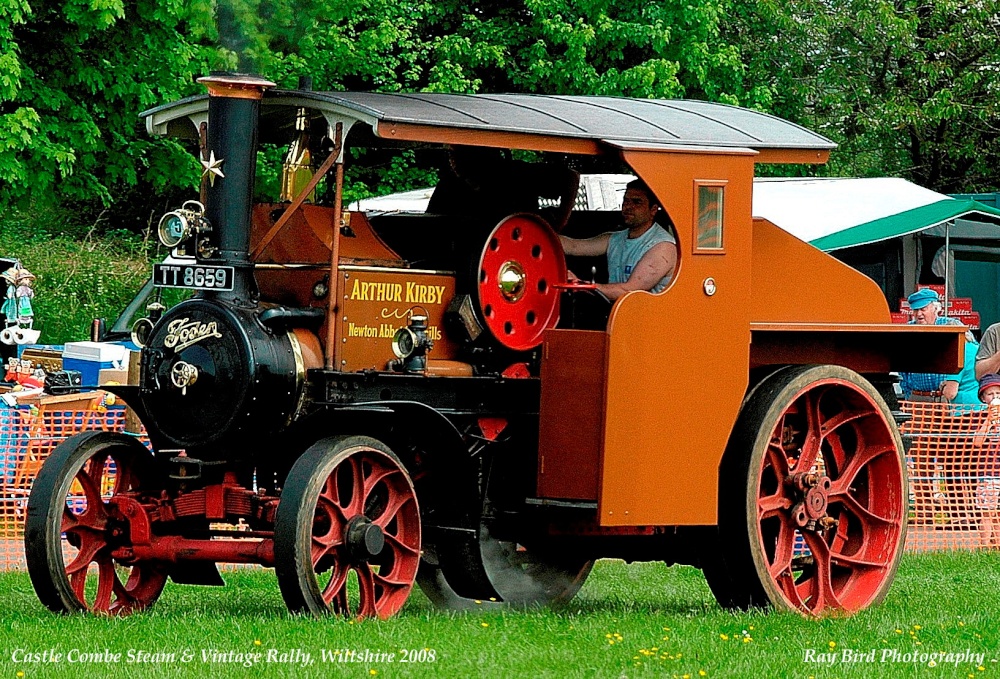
pixel 832 214
pixel 615 119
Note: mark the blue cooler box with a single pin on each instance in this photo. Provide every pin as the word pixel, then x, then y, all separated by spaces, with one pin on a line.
pixel 90 358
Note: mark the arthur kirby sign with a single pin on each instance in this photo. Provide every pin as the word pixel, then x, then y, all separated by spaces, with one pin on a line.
pixel 409 292
pixel 377 304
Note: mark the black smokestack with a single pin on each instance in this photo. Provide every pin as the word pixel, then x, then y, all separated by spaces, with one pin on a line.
pixel 233 114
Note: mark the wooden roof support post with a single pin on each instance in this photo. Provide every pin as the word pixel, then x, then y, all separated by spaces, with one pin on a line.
pixel 338 204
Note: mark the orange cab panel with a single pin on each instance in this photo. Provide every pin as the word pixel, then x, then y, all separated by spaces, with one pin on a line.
pixel 572 413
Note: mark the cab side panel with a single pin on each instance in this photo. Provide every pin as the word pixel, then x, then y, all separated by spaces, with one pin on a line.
pixel 678 361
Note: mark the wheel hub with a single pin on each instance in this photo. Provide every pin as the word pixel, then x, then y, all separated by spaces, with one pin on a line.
pixel 116 532
pixel 364 539
pixel 812 491
pixel 512 280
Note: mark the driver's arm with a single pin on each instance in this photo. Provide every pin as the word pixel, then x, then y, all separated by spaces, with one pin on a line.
pixel 660 261
pixel 586 247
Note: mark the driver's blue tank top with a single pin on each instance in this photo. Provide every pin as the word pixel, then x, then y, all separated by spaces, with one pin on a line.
pixel 624 253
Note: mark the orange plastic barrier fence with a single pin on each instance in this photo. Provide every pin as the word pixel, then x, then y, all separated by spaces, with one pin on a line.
pixel 954 472
pixel 27 437
pixel 954 468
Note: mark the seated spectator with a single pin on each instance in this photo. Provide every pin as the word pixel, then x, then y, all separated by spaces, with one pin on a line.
pixel 987 446
pixel 960 388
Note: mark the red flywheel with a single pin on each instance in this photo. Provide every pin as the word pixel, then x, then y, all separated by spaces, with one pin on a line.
pixel 521 261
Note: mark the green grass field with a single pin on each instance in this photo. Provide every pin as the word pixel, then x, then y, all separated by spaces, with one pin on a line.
pixel 628 621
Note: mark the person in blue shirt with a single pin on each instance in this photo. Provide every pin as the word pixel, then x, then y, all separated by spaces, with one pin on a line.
pixel 641 257
pixel 960 388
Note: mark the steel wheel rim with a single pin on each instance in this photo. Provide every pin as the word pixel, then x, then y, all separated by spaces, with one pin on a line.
pixel 93 528
pixel 520 262
pixel 836 431
pixel 367 485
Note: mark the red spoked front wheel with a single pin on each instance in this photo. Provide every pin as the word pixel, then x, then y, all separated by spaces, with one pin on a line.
pixel 813 496
pixel 347 531
pixel 520 263
pixel 75 497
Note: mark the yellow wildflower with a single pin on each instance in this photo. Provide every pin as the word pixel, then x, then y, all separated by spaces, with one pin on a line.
pixel 485 624
pixel 724 637
pixel 256 642
pixel 832 644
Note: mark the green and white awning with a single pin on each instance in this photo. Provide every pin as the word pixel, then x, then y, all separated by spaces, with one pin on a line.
pixel 832 214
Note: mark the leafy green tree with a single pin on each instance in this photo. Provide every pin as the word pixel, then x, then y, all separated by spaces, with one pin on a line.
pixel 611 47
pixel 76 74
pixel 908 88
pixel 599 47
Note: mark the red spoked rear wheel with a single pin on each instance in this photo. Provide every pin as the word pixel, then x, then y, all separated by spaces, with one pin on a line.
pixel 813 510
pixel 521 261
pixel 347 531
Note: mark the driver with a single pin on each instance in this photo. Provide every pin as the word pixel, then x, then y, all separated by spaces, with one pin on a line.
pixel 641 257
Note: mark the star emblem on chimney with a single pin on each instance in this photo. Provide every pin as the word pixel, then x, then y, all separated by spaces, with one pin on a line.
pixel 213 168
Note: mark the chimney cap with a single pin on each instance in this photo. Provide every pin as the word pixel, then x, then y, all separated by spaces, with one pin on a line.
pixel 238 85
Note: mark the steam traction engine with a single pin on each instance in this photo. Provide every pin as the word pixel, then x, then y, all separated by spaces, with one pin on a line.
pixel 364 402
